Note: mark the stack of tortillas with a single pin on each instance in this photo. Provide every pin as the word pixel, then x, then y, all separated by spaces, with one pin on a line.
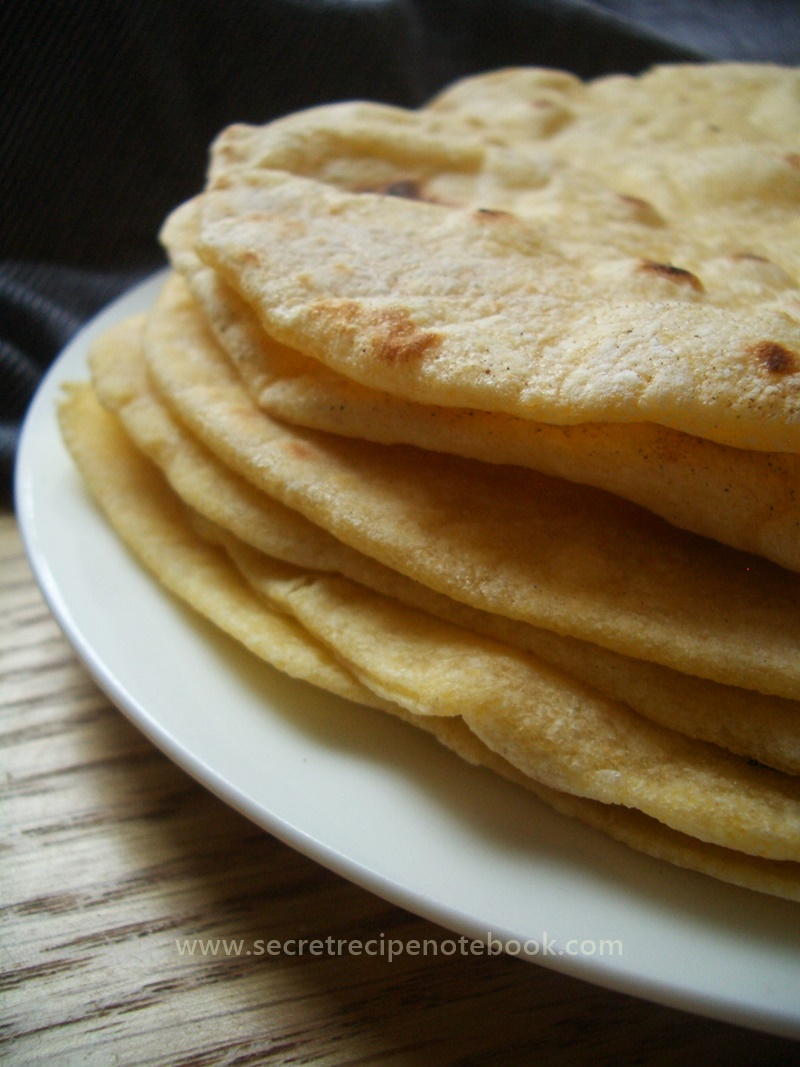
pixel 488 415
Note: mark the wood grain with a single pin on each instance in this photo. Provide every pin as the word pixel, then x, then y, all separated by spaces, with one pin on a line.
pixel 111 855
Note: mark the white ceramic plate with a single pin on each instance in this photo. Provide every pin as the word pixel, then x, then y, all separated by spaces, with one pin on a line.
pixel 373 799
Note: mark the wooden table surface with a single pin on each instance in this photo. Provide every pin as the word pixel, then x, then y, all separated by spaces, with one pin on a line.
pixel 112 856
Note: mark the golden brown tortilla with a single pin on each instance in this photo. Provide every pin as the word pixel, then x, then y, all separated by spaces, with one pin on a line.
pixel 508 541
pixel 742 498
pixel 600 286
pixel 760 727
pixel 133 495
pixel 472 308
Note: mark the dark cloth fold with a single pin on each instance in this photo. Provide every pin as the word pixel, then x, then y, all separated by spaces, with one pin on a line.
pixel 108 109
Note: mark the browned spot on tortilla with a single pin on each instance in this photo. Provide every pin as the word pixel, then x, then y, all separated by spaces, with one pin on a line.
pixel 672 274
pixel 487 213
pixel 551 115
pixel 399 339
pixel 404 188
pixel 408 189
pixel 793 159
pixel 247 257
pixel 642 210
pixel 299 449
pixel 775 357
pixel 391 334
pixel 750 257
pixel 635 201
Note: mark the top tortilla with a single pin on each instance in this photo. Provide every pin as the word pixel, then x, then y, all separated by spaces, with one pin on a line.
pixel 743 498
pixel 637 258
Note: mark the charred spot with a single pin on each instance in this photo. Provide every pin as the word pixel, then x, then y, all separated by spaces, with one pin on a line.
pixel 672 274
pixel 492 213
pixel 403 189
pixel 407 189
pixel 793 159
pixel 641 210
pixel 749 257
pixel 775 357
pixel 636 202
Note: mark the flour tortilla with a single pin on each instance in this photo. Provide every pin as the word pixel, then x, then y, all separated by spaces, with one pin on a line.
pixel 371 148
pixel 715 145
pixel 489 310
pixel 147 515
pixel 741 102
pixel 158 529
pixel 760 727
pixel 560 186
pixel 501 539
pixel 553 729
pixel 741 498
pixel 639 831
pixel 219 494
pixel 707 146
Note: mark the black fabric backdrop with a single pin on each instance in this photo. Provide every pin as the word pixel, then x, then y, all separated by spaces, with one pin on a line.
pixel 107 108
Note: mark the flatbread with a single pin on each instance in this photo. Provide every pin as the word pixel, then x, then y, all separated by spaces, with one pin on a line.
pixel 485 309
pixel 501 539
pixel 632 827
pixel 741 498
pixel 144 511
pixel 706 146
pixel 760 727
pixel 680 185
pixel 582 279
pixel 550 727
pixel 157 528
